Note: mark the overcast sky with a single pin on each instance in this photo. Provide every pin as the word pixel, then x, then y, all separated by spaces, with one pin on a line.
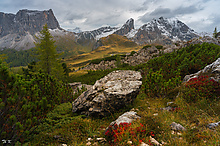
pixel 200 15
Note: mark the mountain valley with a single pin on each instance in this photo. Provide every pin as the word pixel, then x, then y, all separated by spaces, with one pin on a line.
pixel 18 32
pixel 158 84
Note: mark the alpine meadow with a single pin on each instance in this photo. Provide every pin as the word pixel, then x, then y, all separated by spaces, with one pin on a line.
pixel 158 84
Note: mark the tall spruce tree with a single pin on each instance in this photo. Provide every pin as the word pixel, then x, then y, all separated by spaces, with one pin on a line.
pixel 47 54
pixel 215 32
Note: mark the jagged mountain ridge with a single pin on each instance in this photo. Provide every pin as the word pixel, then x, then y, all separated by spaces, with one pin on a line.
pixel 164 30
pixel 95 35
pixel 17 30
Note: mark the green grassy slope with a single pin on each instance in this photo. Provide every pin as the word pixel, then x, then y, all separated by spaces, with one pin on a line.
pixel 194 116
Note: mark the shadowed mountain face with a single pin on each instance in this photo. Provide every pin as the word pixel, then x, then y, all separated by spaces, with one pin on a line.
pixel 27 20
pixel 17 30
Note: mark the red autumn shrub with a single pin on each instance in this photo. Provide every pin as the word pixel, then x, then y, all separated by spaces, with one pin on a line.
pixel 201 87
pixel 120 134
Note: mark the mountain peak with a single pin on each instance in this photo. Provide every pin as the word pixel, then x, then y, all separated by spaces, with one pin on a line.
pixel 126 28
pixel 130 22
pixel 161 18
pixel 169 30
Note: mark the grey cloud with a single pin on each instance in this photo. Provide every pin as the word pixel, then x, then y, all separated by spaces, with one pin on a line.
pixel 96 21
pixel 168 13
pixel 187 10
pixel 165 12
pixel 216 22
pixel 145 5
pixel 160 11
pixel 92 14
pixel 72 16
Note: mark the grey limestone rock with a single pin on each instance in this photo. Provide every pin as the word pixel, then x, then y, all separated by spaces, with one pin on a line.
pixel 177 127
pixel 79 86
pixel 109 94
pixel 127 117
pixel 213 125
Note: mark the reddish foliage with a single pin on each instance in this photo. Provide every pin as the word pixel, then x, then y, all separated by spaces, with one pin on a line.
pixel 202 87
pixel 115 133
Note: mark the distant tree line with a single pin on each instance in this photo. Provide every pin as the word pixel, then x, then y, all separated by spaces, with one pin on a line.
pixel 18 58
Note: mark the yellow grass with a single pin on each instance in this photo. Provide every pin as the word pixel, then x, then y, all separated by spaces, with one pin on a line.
pixel 78 73
pixel 100 52
pixel 17 69
pixel 113 44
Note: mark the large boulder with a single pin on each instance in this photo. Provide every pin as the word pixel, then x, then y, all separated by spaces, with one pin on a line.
pixel 109 94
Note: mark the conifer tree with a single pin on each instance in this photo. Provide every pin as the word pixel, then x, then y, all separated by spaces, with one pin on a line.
pixel 215 33
pixel 47 54
pixel 118 60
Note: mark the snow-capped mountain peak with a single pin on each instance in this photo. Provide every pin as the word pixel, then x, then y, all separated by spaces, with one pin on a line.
pixel 170 29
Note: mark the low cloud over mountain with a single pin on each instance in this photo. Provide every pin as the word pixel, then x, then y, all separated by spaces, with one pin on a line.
pixel 200 15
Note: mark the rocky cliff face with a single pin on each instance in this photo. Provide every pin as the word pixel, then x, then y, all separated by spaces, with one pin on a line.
pixel 158 31
pixel 27 21
pixel 18 30
pixel 126 28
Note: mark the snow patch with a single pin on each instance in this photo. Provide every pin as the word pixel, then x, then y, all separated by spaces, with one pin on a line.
pixel 57 32
pixel 132 33
pixel 106 33
pixel 76 30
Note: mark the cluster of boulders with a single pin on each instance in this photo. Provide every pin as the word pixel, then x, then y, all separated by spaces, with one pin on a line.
pixel 109 94
pixel 142 56
pixel 205 39
pixel 103 65
pixel 145 54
